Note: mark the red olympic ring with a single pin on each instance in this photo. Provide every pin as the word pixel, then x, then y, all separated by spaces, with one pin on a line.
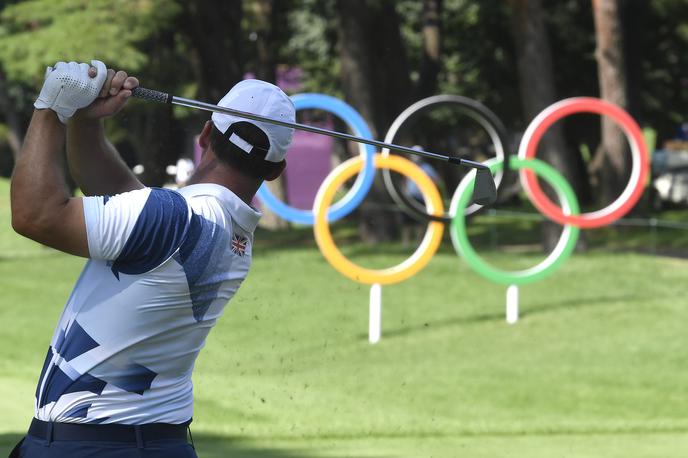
pixel 630 195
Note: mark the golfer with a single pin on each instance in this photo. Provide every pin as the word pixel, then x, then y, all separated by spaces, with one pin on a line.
pixel 162 264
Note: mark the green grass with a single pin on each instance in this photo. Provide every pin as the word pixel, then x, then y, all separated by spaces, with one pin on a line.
pixel 595 367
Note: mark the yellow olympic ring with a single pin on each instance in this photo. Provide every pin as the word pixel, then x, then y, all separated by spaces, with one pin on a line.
pixel 414 263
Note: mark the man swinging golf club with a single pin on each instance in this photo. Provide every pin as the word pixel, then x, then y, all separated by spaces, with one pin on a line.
pixel 116 381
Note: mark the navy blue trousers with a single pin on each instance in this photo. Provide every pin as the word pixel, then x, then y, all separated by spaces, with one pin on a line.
pixel 34 447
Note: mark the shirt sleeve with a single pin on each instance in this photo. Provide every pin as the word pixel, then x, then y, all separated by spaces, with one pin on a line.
pixel 137 230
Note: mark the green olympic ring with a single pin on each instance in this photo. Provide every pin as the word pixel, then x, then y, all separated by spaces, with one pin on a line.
pixel 565 245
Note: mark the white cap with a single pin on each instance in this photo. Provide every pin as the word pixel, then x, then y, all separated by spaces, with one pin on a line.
pixel 261 98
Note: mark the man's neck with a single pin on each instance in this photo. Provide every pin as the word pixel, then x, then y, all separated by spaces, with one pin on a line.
pixel 213 172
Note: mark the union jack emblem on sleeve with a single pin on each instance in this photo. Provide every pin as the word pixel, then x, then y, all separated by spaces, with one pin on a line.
pixel 239 245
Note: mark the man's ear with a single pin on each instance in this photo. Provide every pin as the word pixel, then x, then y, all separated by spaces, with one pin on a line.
pixel 204 137
pixel 277 171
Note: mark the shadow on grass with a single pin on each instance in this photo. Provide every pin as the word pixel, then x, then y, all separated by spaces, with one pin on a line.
pixel 211 446
pixel 217 446
pixel 8 441
pixel 346 237
pixel 500 316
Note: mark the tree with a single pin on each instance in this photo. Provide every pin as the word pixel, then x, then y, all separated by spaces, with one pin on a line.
pixel 311 44
pixel 269 17
pixel 210 36
pixel 214 33
pixel 610 165
pixel 12 117
pixel 658 57
pixel 357 60
pixel 187 48
pixel 371 49
pixel 38 33
pixel 536 80
pixel 432 47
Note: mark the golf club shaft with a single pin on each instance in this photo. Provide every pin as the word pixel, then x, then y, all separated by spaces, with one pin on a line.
pixel 157 96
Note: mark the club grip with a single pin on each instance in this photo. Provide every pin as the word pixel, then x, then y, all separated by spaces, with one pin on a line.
pixel 150 94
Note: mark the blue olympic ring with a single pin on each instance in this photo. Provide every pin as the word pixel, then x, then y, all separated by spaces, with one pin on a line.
pixel 361 186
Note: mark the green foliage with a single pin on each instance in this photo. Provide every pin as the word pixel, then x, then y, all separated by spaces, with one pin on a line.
pixel 410 17
pixel 479 58
pixel 38 33
pixel 312 45
pixel 149 38
pixel 663 43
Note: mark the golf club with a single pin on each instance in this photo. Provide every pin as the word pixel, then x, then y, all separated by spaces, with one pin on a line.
pixel 484 192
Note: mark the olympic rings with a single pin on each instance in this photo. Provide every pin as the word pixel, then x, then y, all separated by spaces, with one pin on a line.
pixel 563 249
pixel 630 195
pixel 365 164
pixel 475 110
pixel 363 183
pixel 407 268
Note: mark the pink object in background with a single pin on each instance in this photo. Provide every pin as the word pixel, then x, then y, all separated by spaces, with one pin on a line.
pixel 287 78
pixel 308 162
pixel 309 159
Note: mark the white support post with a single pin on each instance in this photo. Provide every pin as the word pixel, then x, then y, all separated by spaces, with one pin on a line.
pixel 512 304
pixel 375 320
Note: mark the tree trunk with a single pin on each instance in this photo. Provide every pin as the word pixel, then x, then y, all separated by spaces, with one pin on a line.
pixel 12 119
pixel 536 80
pixel 161 145
pixel 269 14
pixel 393 90
pixel 611 165
pixel 375 70
pixel 160 148
pixel 357 61
pixel 271 28
pixel 371 49
pixel 432 47
pixel 214 29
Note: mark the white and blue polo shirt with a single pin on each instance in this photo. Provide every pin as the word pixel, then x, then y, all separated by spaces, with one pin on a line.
pixel 163 266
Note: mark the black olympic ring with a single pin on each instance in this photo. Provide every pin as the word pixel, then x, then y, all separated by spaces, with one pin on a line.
pixel 473 109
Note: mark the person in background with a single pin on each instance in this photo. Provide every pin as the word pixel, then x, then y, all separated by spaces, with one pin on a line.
pixel 411 230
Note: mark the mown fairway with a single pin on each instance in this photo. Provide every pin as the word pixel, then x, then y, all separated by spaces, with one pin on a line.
pixel 595 368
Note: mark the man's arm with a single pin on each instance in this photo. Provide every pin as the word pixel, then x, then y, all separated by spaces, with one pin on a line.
pixel 42 208
pixel 94 163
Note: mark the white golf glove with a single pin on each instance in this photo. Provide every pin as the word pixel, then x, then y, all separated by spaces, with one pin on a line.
pixel 67 87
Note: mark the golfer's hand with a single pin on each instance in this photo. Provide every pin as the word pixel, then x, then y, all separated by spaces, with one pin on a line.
pixel 70 86
pixel 113 96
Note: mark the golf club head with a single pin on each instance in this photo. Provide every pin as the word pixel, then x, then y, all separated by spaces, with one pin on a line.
pixel 484 190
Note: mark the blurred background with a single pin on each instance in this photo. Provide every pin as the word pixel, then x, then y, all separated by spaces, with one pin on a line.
pixel 287 373
pixel 516 57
